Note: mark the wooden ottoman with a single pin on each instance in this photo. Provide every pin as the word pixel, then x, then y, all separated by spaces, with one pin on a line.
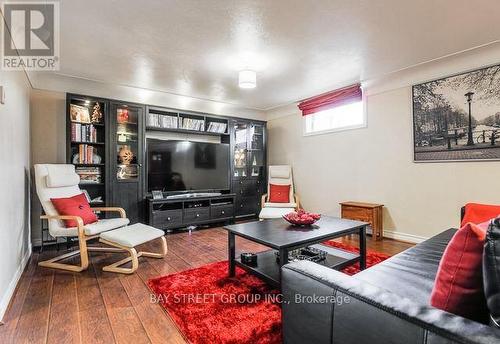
pixel 127 238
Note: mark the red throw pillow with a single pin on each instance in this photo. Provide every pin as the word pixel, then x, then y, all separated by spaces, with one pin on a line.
pixel 478 213
pixel 458 287
pixel 76 206
pixel 279 193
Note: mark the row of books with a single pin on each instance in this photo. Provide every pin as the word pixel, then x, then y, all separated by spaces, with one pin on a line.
pixel 162 121
pixel 192 124
pixel 89 175
pixel 217 127
pixel 155 120
pixel 83 132
pixel 86 154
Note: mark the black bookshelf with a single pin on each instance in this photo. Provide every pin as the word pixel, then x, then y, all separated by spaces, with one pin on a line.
pixel 249 165
pixel 126 134
pixel 87 137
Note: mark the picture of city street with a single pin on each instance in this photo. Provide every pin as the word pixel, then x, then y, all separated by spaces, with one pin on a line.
pixel 458 117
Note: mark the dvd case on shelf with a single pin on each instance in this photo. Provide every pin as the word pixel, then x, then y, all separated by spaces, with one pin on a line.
pixel 162 121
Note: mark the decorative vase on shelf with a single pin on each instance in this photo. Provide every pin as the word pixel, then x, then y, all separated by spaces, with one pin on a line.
pixel 96 113
pixel 122 115
pixel 125 155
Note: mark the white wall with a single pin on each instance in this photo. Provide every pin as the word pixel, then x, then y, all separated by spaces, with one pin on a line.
pixel 48 141
pixel 15 247
pixel 375 164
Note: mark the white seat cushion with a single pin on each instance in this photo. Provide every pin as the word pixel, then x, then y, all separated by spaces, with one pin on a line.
pixel 90 229
pixel 133 235
pixel 274 213
pixel 58 230
pixel 280 205
pixel 104 225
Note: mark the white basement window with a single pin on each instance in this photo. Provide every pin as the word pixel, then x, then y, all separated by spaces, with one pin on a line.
pixel 343 117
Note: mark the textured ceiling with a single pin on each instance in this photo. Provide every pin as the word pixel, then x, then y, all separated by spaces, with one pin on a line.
pixel 299 48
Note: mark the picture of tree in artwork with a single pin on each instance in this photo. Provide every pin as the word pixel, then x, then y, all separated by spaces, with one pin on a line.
pixel 458 117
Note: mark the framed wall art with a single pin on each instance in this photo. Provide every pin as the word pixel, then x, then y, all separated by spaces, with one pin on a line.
pixel 457 118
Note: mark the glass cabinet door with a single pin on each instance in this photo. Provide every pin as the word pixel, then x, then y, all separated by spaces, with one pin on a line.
pixel 240 154
pixel 256 150
pixel 127 143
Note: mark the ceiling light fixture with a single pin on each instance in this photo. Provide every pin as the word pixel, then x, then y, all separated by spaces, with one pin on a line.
pixel 247 79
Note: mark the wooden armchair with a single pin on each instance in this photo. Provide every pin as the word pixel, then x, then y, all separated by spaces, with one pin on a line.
pixel 56 181
pixel 279 175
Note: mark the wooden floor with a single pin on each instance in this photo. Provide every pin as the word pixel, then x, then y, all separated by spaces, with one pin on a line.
pixel 52 306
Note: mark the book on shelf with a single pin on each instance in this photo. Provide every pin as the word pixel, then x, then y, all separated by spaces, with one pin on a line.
pixel 217 127
pixel 83 133
pixel 86 154
pixel 192 124
pixel 162 121
pixel 89 175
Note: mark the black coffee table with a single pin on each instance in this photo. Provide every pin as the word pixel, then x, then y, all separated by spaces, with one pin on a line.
pixel 282 237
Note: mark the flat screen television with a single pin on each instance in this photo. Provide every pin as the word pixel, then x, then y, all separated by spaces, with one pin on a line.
pixel 184 166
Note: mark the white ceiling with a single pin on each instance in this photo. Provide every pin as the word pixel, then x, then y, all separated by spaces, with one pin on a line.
pixel 299 48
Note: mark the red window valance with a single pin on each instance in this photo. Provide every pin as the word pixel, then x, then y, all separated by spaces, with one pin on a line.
pixel 342 96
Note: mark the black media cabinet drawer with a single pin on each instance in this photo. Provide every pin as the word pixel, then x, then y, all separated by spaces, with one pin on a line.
pixel 221 211
pixel 167 218
pixel 245 188
pixel 247 206
pixel 196 214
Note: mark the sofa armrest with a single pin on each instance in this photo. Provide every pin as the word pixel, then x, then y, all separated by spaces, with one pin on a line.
pixel 353 311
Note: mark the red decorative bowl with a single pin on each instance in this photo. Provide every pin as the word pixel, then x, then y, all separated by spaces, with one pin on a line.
pixel 301 218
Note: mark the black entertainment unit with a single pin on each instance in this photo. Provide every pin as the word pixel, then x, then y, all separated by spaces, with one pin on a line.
pixel 107 142
pixel 170 214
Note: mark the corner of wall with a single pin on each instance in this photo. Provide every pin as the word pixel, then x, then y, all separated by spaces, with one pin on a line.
pixel 11 288
pixel 282 111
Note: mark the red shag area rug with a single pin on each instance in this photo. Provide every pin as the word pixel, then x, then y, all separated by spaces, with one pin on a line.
pixel 209 307
pixel 372 257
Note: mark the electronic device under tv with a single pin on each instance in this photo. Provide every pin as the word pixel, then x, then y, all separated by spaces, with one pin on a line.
pixel 177 167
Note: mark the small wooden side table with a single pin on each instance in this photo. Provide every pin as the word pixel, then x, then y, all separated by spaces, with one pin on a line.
pixel 367 212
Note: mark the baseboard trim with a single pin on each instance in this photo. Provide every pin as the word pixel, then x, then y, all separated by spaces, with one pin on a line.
pixel 6 297
pixel 415 239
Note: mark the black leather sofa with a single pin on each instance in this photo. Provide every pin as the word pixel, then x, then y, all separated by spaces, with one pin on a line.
pixel 387 303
